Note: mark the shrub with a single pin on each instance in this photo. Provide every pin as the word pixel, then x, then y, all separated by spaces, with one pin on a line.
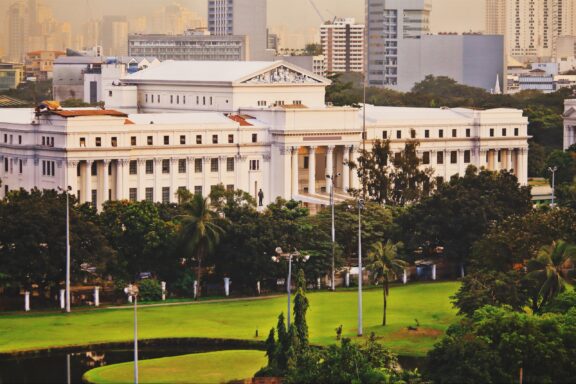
pixel 150 290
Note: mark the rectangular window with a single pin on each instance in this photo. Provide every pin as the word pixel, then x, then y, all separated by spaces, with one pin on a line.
pixel 230 139
pixel 83 142
pixel 198 139
pixel 427 133
pixel 98 141
pixel 165 195
pixel 181 165
pixel 5 164
pixel 214 139
pixel 441 133
pixel 439 157
pixel 146 97
pixel 491 132
pixel 198 190
pixel 198 165
pixel 467 157
pixel 20 166
pixel 166 166
pixel 6 138
pixel 504 132
pixel 254 165
pixel 182 139
pixel 230 187
pixel 114 141
pixel 133 194
pixel 149 194
pixel 94 197
pixel 214 165
pixel 413 134
pixel 453 157
pixel 306 162
pixel 210 100
pixel 94 169
pixel 454 133
pixel 516 131
pixel 184 99
pixel 19 139
pixel 133 140
pixel 499 156
pixel 149 167
pixel 43 167
pixel 230 164
pixel 158 98
pixel 152 98
pixel 43 139
pixel 150 140
pixel 426 158
pixel 133 167
pixel 467 132
pixel 398 134
pixel 166 140
pixel 384 135
pixel 171 99
pixel 254 137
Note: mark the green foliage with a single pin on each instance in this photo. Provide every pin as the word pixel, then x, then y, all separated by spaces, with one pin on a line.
pixel 34 92
pixel 312 49
pixel 536 160
pixel 561 303
pixel 494 288
pixel 301 305
pixel 566 165
pixel 461 211
pixel 150 290
pixel 493 345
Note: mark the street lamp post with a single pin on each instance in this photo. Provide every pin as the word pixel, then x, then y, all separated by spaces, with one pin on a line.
pixel 360 274
pixel 332 178
pixel 67 247
pixel 288 256
pixel 553 170
pixel 132 291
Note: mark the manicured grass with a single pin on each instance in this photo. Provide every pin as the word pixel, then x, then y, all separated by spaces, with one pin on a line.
pixel 427 302
pixel 213 367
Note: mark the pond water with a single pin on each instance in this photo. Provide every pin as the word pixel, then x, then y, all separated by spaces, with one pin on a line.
pixel 69 366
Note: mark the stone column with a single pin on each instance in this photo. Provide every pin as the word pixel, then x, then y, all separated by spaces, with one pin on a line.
pixel 509 165
pixel 87 195
pixel 346 169
pixel 329 162
pixel 312 170
pixel 72 176
pixel 189 173
pixel 105 182
pixel 460 162
pixel 119 176
pixel 157 185
pixel 267 177
pixel 294 171
pixel 221 164
pixel 497 164
pixel 355 182
pixel 205 166
pixel 141 172
pixel 173 186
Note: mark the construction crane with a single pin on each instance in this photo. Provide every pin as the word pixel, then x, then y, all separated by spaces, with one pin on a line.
pixel 317 10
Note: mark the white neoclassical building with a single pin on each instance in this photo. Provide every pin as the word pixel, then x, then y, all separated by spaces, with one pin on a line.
pixel 569 122
pixel 246 125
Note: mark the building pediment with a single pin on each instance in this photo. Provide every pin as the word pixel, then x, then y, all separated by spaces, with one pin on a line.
pixel 282 73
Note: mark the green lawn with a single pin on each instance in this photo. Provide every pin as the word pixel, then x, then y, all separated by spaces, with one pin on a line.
pixel 213 367
pixel 429 303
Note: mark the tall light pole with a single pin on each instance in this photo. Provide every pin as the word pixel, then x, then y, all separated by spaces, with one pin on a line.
pixel 360 274
pixel 67 190
pixel 132 290
pixel 288 256
pixel 553 170
pixel 332 178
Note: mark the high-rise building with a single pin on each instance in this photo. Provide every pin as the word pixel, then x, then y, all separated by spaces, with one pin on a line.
pixel 388 24
pixel 531 27
pixel 17 31
pixel 241 17
pixel 115 35
pixel 343 45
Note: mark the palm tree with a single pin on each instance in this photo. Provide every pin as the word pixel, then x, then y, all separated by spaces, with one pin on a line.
pixel 385 266
pixel 546 269
pixel 199 232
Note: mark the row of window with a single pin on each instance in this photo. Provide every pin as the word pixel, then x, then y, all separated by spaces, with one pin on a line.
pixel 9 165
pixel 175 99
pixel 48 168
pixel 454 133
pixel 9 139
pixel 166 140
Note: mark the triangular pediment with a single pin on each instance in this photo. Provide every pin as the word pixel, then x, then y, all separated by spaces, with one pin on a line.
pixel 570 112
pixel 284 73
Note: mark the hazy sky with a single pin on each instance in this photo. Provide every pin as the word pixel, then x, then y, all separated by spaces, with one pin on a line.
pixel 447 15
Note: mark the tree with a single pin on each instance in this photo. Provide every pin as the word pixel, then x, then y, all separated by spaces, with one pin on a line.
pixel 536 160
pixel 545 269
pixel 199 234
pixel 312 49
pixel 383 262
pixel 565 164
pixel 494 288
pixel 301 305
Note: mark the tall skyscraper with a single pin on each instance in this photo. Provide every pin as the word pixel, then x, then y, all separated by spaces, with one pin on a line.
pixel 343 45
pixel 388 23
pixel 241 17
pixel 18 25
pixel 531 27
pixel 115 35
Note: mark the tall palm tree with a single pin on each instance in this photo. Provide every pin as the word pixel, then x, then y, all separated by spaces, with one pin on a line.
pixel 385 266
pixel 199 232
pixel 546 269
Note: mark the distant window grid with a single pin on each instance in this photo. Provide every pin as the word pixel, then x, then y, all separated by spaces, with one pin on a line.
pixel 214 165
pixel 133 167
pixel 254 165
pixel 149 194
pixel 230 164
pixel 133 194
pixel 165 166
pixel 181 165
pixel 165 195
pixel 198 165
pixel 149 167
pixel 182 139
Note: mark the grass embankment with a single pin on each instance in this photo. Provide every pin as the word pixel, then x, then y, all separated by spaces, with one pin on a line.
pixel 213 367
pixel 429 303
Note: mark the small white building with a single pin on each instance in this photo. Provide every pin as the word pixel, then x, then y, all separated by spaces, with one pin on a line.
pixel 247 126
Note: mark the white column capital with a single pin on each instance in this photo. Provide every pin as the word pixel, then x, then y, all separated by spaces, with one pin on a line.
pixel 106 161
pixel 330 149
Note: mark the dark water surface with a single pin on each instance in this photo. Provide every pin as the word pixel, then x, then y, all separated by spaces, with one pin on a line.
pixel 69 366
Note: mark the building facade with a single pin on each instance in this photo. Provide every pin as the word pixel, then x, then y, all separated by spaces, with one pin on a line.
pixel 284 149
pixel 40 64
pixel 569 123
pixel 342 43
pixel 242 18
pixel 189 46
pixel 11 75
